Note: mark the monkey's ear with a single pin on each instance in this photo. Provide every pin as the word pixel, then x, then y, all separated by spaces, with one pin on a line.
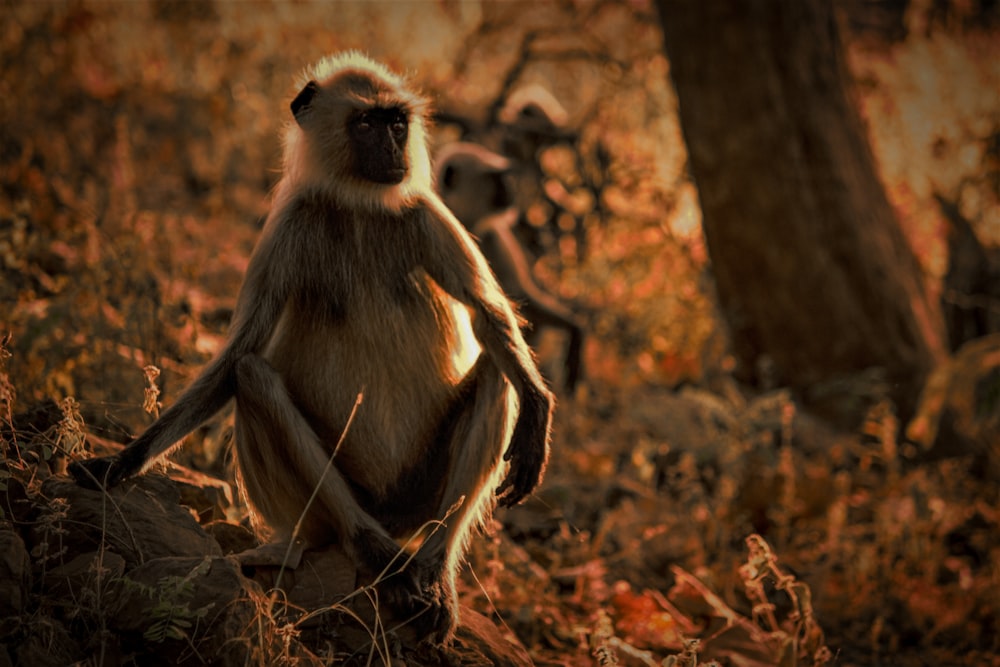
pixel 302 100
pixel 447 177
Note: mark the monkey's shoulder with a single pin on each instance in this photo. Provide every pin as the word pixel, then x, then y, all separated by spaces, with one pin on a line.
pixel 346 256
pixel 314 218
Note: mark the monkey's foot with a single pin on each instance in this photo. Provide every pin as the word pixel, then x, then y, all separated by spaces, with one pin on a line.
pixel 435 615
pixel 430 610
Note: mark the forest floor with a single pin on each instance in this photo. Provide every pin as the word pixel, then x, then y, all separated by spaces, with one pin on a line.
pixel 768 536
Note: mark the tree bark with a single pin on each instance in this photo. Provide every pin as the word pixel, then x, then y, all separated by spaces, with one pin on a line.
pixel 812 270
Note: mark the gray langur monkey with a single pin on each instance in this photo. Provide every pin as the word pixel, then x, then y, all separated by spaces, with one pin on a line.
pixel 352 288
pixel 474 184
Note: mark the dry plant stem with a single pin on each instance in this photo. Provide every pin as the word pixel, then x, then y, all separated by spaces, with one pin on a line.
pixel 762 563
pixel 718 605
pixel 493 607
pixel 635 654
pixel 151 399
pixel 600 641
pixel 316 488
pixel 100 554
pixel 7 392
pixel 379 635
pixel 688 657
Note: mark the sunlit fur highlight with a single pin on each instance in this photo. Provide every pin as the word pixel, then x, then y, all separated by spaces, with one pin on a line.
pixel 317 152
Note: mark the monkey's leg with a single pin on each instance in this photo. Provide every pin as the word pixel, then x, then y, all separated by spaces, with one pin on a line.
pixel 572 359
pixel 478 437
pixel 574 356
pixel 554 314
pixel 281 460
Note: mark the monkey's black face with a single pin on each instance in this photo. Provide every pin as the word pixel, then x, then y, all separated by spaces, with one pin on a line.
pixel 378 138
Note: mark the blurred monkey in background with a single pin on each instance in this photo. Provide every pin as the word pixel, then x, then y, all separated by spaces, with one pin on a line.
pixel 532 118
pixel 475 184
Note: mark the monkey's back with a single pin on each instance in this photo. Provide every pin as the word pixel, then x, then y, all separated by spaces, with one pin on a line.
pixel 370 321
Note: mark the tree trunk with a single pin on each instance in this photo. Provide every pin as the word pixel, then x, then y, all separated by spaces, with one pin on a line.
pixel 812 269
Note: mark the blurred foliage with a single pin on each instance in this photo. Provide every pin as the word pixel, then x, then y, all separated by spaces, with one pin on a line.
pixel 138 143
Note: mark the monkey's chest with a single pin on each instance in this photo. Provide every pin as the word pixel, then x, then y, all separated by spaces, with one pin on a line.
pixel 397 313
pixel 392 342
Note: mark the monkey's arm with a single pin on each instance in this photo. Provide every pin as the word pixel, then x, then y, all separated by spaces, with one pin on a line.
pixel 504 253
pixel 456 264
pixel 257 310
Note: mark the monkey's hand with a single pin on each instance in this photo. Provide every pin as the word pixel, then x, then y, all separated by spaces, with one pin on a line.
pixel 528 451
pixel 104 472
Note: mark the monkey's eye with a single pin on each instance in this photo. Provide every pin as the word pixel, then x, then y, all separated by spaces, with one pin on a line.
pixel 363 123
pixel 398 124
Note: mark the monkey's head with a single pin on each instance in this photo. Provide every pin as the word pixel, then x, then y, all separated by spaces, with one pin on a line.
pixel 532 119
pixel 359 132
pixel 474 182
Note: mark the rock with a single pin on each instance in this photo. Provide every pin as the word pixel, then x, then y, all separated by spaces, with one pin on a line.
pixel 137 565
pixel 232 538
pixel 15 505
pixel 15 573
pixel 199 586
pixel 87 572
pixel 278 555
pixel 167 605
pixel 309 580
pixel 140 520
pixel 48 644
pixel 317 593
pixel 171 603
pixel 208 496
